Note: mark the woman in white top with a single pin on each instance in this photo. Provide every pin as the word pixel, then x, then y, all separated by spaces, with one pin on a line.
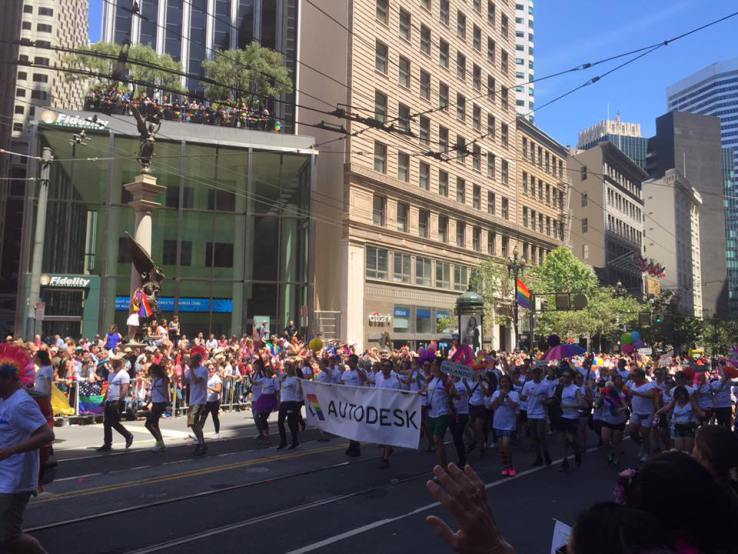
pixel 505 401
pixel 159 402
pixel 572 401
pixel 439 409
pixel 290 396
pixel 215 390
pixel 685 413
pixel 266 400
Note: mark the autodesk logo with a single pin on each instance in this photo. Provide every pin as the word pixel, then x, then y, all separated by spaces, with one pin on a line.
pixel 68 282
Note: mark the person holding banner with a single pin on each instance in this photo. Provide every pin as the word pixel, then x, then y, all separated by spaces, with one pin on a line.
pixel 355 377
pixel 439 409
pixel 387 379
pixel 505 401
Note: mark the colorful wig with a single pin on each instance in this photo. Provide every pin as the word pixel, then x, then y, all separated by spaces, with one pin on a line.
pixel 15 360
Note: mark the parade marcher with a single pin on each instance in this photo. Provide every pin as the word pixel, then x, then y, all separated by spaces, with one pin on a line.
pixel 685 413
pixel 611 403
pixel 197 376
pixel 23 431
pixel 354 377
pixel 159 403
pixel 535 395
pixel 572 401
pixel 290 396
pixel 643 405
pixel 439 409
pixel 215 391
pixel 118 384
pixel 478 413
pixel 504 402
pixel 387 379
pixel 460 417
pixel 265 393
pixel 722 403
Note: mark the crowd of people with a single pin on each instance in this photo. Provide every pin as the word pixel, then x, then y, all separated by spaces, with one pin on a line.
pixel 252 114
pixel 513 398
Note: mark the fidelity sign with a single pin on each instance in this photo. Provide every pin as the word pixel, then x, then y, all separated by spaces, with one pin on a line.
pixel 65 281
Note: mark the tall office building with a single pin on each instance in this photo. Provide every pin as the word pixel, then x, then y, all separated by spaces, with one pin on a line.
pixel 401 221
pixel 524 58
pixel 626 136
pixel 192 30
pixel 713 90
pixel 690 143
pixel 60 23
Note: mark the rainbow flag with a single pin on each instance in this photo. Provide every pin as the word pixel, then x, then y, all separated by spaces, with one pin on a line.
pixel 522 294
pixel 146 309
pixel 315 405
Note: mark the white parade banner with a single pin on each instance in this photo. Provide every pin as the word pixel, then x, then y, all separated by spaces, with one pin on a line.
pixel 364 414
pixel 458 370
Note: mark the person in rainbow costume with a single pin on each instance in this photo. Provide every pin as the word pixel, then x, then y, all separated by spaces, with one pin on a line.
pixel 23 431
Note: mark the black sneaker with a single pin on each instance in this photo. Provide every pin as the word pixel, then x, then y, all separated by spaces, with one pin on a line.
pixel 129 442
pixel 538 462
pixel 564 465
pixel 104 448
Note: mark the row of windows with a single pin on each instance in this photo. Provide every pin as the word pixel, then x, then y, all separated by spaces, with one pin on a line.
pixel 536 221
pixel 35 94
pixel 621 229
pixel 444 14
pixel 546 193
pixel 546 160
pixel 40 27
pixel 38 60
pixel 37 77
pixel 27 8
pixel 379 218
pixel 622 180
pixel 401 267
pixel 216 254
pixel 622 204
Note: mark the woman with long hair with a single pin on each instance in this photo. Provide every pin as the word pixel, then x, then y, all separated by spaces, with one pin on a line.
pixel 265 387
pixel 685 414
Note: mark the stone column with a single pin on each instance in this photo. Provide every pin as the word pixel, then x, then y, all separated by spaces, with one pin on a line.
pixel 144 191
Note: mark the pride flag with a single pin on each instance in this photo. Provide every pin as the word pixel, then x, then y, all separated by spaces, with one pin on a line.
pixel 146 309
pixel 522 294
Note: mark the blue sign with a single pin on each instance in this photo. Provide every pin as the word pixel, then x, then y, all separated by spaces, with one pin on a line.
pixel 422 313
pixel 193 305
pixel 402 312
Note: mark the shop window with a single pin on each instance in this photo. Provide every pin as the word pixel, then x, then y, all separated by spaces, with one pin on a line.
pixel 423 321
pixel 218 254
pixel 401 319
pixel 376 262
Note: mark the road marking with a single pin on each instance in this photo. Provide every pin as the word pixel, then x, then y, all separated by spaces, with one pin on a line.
pixel 184 474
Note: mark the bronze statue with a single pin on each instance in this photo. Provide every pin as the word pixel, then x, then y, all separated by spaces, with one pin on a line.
pixel 148 126
pixel 151 279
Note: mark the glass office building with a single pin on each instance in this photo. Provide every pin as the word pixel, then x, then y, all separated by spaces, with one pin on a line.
pixel 231 235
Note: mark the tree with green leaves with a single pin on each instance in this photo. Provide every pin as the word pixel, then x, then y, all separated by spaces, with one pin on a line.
pixel 240 73
pixel 143 64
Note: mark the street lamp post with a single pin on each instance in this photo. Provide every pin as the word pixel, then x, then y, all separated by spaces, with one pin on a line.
pixel 515 268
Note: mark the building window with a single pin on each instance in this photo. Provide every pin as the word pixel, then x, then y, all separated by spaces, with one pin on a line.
pixel 426 4
pixel 20 110
pixel 423 223
pixel 425 40
pixel 477 77
pixel 401 319
pixel 380 57
pixel 460 234
pixel 460 190
pixel 26 25
pixel 376 263
pixel 443 96
pixel 491 243
pixel 477 117
pixel 423 320
pixel 403 117
pixel 504 134
pixel 505 246
pixel 380 106
pixel 444 11
pixel 585 252
pixel 379 209
pixel 218 254
pixel 383 11
pixel 405 24
pixel 401 268
pixel 461 149
pixel 533 219
pixel 18 127
pixel 169 250
pixel 443 228
pixel 548 163
pixel 504 25
pixel 477 239
pixel 424 134
pixel 22 75
pixel 46 11
pixel 403 167
pixel 43 28
pixel 477 158
pixel 404 72
pixel 423 272
pixel 442 183
pixel 424 176
pixel 460 25
pixel 461 277
pixel 525 182
pixel 525 216
pixel 443 275
pixel 491 203
pixel 460 107
pixel 40 78
pixel 585 225
pixel 491 13
pixel 221 200
pixel 540 157
pixel 504 98
pixel 20 93
pixel 460 66
pixel 477 38
pixel 477 197
pixel 27 9
pixel 504 172
pixel 491 169
pixel 443 54
pixel 40 60
pixel 491 51
pixel 425 84
pixel 443 139
pixel 188 198
pixel 505 208
pixel 380 157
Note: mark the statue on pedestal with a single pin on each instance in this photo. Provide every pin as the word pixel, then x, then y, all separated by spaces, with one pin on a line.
pixel 148 126
pixel 144 305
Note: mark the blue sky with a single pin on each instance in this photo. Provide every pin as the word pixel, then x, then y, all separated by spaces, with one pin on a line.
pixel 571 32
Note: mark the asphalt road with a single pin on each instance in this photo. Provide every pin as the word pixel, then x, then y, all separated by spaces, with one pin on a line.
pixel 244 497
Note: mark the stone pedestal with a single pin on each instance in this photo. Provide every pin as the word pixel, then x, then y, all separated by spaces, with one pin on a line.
pixel 144 190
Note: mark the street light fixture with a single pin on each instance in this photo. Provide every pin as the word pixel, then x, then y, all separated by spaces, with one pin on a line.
pixel 515 268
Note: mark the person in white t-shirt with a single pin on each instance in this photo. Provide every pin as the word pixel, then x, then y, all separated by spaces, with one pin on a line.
pixel 118 384
pixel 290 396
pixel 356 378
pixel 23 431
pixel 572 401
pixel 505 401
pixel 44 375
pixel 215 391
pixel 438 392
pixel 535 395
pixel 643 405
pixel 197 376
pixel 387 379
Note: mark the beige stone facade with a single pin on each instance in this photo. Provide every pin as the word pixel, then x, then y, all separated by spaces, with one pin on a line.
pixel 397 229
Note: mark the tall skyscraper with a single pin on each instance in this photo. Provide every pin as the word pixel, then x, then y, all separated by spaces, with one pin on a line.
pixel 626 136
pixel 713 90
pixel 524 58
pixel 690 143
pixel 192 30
pixel 59 23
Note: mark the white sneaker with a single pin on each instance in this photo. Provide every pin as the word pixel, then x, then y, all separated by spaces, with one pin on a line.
pixel 191 437
pixel 216 436
pixel 158 448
